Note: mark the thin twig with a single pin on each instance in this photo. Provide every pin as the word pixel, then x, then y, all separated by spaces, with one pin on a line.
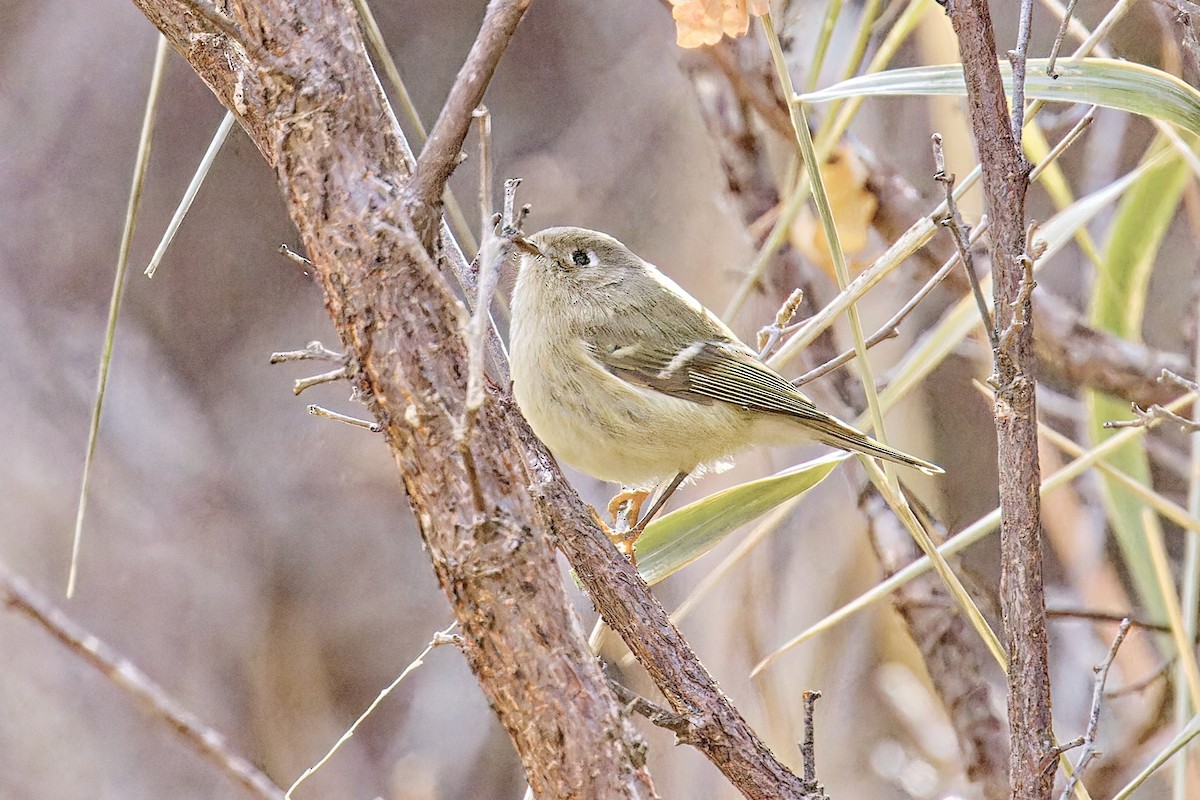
pixel 16 593
pixel 291 254
pixel 1017 58
pixel 319 411
pixel 1152 416
pixel 890 329
pixel 846 356
pixel 443 150
pixel 960 232
pixel 1058 39
pixel 808 744
pixel 313 351
pixel 681 726
pixel 769 336
pixel 339 374
pixel 442 637
pixel 1089 735
pixel 1106 616
pixel 1066 141
pixel 1173 377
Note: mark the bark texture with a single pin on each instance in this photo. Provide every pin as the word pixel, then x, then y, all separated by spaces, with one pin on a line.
pixel 297 77
pixel 1005 179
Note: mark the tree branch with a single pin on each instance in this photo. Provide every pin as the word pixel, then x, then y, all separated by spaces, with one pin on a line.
pixel 1005 179
pixel 443 149
pixel 16 594
pixel 315 110
pixel 954 655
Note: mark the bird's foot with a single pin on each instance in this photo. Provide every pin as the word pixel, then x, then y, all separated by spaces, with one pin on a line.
pixel 625 510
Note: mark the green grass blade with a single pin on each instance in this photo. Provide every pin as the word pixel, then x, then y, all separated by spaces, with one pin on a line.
pixel 1122 85
pixel 141 163
pixel 1118 306
pixel 679 538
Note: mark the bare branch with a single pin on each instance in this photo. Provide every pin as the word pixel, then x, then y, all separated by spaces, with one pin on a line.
pixel 960 232
pixel 354 422
pixel 443 150
pixel 1089 735
pixel 1017 57
pixel 808 744
pixel 681 726
pixel 340 163
pixel 769 336
pixel 954 656
pixel 1059 37
pixel 1022 594
pixel 16 594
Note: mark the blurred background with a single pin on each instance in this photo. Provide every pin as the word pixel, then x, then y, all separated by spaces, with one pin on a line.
pixel 262 565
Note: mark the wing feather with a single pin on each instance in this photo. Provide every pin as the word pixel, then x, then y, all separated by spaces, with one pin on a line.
pixel 725 370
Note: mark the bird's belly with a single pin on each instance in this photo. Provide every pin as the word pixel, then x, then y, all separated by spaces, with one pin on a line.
pixel 619 432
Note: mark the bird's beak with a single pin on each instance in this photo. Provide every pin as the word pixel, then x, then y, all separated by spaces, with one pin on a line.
pixel 526 246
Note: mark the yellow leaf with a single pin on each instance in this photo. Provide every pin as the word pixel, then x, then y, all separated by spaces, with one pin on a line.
pixel 853 209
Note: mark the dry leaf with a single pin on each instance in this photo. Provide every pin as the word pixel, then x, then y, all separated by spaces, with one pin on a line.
pixel 853 209
pixel 702 22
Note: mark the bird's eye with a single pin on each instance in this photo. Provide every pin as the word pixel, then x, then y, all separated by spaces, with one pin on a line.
pixel 582 258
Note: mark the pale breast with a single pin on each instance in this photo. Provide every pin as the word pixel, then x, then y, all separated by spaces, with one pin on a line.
pixel 611 429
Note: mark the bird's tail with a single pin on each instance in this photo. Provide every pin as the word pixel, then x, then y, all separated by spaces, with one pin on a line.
pixel 836 433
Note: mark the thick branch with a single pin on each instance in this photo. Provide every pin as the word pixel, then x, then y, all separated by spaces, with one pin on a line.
pixel 443 150
pixel 317 114
pixel 717 729
pixel 1005 179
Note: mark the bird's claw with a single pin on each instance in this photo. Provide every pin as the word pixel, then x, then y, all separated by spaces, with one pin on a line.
pixel 625 510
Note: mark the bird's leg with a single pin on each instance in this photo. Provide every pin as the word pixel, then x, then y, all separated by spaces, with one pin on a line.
pixel 627 506
pixel 630 536
pixel 624 507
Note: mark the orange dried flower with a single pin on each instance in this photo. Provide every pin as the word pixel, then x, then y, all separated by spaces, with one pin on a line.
pixel 703 22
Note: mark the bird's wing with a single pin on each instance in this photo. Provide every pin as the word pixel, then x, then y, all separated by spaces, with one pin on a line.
pixel 704 372
pixel 724 370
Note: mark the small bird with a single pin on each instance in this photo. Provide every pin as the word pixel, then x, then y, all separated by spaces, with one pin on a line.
pixel 626 377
